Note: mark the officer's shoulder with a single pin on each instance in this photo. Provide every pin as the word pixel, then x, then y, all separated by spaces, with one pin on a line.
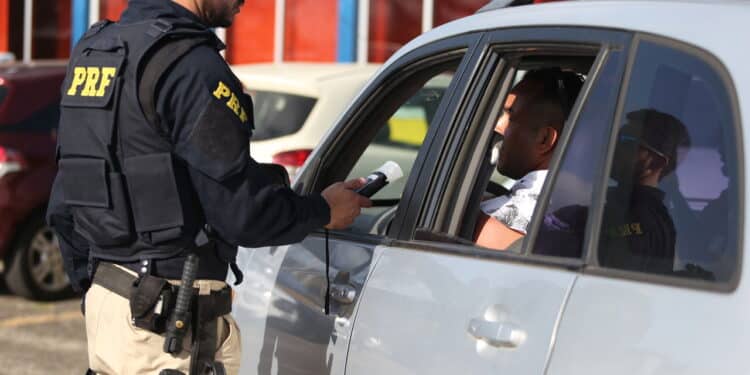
pixel 205 63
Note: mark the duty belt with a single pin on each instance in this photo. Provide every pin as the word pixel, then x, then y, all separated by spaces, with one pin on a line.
pixel 152 300
pixel 123 283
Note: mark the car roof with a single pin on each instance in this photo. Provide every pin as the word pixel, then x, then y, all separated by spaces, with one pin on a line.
pixel 499 4
pixel 717 27
pixel 693 22
pixel 302 78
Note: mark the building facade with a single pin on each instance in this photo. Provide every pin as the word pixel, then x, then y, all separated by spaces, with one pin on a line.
pixel 265 30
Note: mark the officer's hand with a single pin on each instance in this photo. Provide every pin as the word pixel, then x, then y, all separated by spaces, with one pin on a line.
pixel 345 204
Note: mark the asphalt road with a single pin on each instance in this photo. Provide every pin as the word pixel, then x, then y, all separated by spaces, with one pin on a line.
pixel 41 337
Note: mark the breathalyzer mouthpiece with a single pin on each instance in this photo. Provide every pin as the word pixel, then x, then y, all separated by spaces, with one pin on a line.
pixel 387 173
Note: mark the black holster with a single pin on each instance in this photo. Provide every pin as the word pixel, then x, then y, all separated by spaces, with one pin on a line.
pixel 151 301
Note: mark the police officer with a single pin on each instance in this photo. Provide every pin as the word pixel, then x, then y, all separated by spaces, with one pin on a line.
pixel 638 230
pixel 154 166
pixel 639 233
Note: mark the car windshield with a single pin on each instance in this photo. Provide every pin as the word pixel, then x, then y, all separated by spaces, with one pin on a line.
pixel 278 114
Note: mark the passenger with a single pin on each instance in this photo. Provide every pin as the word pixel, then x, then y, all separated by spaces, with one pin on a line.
pixel 637 230
pixel 639 233
pixel 531 123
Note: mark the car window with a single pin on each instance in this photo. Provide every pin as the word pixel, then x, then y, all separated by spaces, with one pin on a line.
pixel 408 126
pixel 531 121
pixel 278 114
pixel 672 196
pixel 561 233
pixel 398 139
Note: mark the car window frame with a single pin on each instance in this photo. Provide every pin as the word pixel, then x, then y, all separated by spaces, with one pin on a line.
pixel 595 218
pixel 428 236
pixel 314 178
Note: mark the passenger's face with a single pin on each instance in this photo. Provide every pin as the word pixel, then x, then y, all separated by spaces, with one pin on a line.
pixel 220 13
pixel 516 156
pixel 633 163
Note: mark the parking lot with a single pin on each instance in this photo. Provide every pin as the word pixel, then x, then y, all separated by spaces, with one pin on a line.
pixel 41 337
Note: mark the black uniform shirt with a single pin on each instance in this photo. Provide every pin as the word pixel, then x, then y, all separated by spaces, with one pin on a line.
pixel 638 231
pixel 209 119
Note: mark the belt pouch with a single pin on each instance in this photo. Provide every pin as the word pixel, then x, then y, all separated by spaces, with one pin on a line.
pixel 145 298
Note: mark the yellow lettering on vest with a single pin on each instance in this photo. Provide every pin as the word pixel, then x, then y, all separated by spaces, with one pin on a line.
pixel 222 91
pixel 79 75
pixel 234 104
pixel 243 115
pixel 92 77
pixel 636 228
pixel 106 80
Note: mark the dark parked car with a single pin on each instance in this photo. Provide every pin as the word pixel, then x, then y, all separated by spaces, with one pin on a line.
pixel 29 112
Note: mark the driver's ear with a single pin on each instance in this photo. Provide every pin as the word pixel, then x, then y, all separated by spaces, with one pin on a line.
pixel 546 139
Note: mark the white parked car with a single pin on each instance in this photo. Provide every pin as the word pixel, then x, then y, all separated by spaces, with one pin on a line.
pixel 296 103
pixel 406 291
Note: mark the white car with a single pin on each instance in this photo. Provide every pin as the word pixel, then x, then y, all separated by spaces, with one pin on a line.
pixel 296 103
pixel 407 291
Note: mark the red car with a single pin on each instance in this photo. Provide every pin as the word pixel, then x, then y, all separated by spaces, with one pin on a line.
pixel 29 113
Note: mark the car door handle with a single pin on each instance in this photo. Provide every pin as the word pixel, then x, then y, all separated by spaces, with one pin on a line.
pixel 343 293
pixel 498 334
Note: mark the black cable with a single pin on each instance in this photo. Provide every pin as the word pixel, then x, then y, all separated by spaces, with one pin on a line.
pixel 328 277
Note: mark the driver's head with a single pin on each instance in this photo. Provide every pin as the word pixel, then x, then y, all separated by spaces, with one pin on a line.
pixel 213 13
pixel 532 120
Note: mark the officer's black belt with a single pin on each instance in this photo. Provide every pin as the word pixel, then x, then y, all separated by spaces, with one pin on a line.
pixel 121 282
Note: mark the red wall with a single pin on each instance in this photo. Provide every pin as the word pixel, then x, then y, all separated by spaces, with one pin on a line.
pixel 250 38
pixel 111 9
pixel 51 30
pixel 449 10
pixel 392 24
pixel 310 30
pixel 311 27
pixel 4 29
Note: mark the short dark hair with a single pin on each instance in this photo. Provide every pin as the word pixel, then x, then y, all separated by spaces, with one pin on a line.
pixel 658 130
pixel 558 86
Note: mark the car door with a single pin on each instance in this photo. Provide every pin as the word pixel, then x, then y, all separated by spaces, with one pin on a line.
pixel 438 304
pixel 297 306
pixel 661 291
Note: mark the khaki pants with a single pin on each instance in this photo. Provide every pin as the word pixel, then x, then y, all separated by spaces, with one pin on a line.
pixel 117 347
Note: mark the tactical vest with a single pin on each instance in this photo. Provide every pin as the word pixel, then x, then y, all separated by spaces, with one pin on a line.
pixel 115 158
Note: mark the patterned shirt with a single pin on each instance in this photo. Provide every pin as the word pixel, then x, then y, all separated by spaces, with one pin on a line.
pixel 515 208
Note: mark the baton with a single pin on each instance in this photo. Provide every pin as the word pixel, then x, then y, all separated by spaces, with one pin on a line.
pixel 179 322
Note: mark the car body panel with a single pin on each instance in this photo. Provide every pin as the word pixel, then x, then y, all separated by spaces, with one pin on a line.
pixel 283 305
pixel 28 119
pixel 615 326
pixel 415 314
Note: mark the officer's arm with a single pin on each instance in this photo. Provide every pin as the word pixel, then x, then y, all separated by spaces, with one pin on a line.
pixel 209 122
pixel 74 248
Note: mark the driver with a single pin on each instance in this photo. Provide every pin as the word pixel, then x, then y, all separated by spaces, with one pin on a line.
pixel 532 120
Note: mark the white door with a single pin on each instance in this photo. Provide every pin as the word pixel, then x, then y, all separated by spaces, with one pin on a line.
pixel 431 313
